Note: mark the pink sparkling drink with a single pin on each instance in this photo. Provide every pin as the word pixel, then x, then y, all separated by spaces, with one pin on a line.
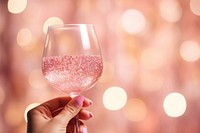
pixel 72 74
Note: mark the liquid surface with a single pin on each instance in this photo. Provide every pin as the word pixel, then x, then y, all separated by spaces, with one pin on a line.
pixel 72 74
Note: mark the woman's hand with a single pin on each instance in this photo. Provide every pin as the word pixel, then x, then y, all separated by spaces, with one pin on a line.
pixel 54 116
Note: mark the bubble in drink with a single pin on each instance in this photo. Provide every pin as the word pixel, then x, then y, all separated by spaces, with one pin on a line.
pixel 72 74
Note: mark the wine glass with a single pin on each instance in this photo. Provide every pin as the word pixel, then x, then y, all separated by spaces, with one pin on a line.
pixel 72 61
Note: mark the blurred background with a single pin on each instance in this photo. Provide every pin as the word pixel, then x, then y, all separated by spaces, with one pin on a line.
pixel 151 51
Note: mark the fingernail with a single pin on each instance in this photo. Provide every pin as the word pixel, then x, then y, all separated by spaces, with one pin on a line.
pixel 91 115
pixel 90 102
pixel 79 100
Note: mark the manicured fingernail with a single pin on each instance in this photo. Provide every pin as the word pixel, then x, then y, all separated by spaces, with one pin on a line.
pixel 90 102
pixel 91 115
pixel 79 100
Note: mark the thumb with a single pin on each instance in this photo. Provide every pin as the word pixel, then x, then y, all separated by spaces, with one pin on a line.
pixel 70 110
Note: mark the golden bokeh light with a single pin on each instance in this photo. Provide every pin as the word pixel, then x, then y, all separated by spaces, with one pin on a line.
pixel 152 58
pixel 24 37
pixel 174 104
pixel 195 7
pixel 135 110
pixel 51 21
pixel 114 98
pixel 127 71
pixel 16 6
pixel 133 21
pixel 190 51
pixel 150 81
pixel 170 10
pixel 13 115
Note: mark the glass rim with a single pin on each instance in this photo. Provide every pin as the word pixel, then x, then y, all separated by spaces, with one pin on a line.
pixel 69 25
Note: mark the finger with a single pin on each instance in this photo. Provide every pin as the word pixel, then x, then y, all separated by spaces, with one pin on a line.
pixel 53 107
pixel 85 115
pixel 70 110
pixel 70 127
pixel 47 109
pixel 87 102
pixel 60 102
pixel 56 103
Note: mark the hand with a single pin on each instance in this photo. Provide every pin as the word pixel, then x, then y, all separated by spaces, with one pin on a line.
pixel 54 116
